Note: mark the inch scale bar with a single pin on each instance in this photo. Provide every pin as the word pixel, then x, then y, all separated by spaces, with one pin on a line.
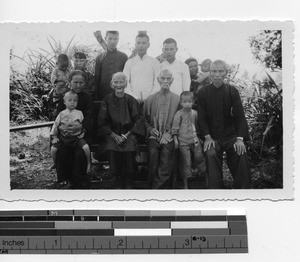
pixel 122 232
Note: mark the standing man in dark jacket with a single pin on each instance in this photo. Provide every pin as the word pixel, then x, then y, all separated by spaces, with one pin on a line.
pixel 223 124
pixel 107 63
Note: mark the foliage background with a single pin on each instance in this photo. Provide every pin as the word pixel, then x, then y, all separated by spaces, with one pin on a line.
pixel 261 97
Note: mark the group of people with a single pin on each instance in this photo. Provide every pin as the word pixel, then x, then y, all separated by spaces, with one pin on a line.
pixel 163 102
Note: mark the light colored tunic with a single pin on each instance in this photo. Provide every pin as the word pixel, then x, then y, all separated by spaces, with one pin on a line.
pixel 65 118
pixel 142 76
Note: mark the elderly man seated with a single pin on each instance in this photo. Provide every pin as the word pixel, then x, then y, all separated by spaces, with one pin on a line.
pixel 159 111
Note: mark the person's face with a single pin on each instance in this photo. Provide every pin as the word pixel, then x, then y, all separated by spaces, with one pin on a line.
pixel 205 67
pixel 186 102
pixel 118 84
pixel 218 73
pixel 169 51
pixel 80 63
pixel 193 67
pixel 141 45
pixel 112 40
pixel 63 65
pixel 165 80
pixel 61 84
pixel 71 102
pixel 77 83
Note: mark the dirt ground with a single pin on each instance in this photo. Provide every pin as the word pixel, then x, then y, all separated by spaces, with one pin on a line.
pixel 30 164
pixel 32 171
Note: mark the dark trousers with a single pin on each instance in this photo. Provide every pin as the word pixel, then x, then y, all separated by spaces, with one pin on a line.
pixel 161 160
pixel 123 165
pixel 71 165
pixel 238 166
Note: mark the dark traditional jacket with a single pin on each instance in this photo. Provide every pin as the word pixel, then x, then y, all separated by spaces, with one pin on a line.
pixel 220 113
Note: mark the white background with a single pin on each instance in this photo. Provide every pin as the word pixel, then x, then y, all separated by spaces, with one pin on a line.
pixel 273 226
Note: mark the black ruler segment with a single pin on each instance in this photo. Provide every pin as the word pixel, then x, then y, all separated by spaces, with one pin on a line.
pixel 111 218
pixel 54 232
pixel 163 218
pixel 213 218
pixel 14 225
pixel 13 218
pixel 60 218
pixel 137 218
pixel 35 218
pixel 85 218
pixel 122 232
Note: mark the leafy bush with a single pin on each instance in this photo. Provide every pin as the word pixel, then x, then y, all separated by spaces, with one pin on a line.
pixel 262 101
pixel 266 48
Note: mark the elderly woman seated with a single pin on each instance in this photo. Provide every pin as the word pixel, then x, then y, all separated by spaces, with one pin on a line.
pixel 119 123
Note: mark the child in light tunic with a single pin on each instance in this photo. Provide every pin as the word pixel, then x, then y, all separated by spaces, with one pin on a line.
pixel 185 137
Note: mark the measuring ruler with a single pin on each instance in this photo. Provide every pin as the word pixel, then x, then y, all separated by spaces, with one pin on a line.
pixel 122 232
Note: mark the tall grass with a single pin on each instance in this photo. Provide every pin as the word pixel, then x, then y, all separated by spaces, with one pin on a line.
pixel 29 91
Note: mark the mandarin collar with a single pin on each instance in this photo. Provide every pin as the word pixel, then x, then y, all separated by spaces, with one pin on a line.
pixel 112 51
pixel 218 88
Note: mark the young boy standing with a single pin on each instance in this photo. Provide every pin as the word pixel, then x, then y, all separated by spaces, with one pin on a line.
pixel 80 62
pixel 185 137
pixel 66 118
pixel 59 77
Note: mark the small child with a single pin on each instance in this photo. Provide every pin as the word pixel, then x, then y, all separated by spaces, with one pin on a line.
pixel 80 62
pixel 204 78
pixel 186 139
pixel 61 138
pixel 59 77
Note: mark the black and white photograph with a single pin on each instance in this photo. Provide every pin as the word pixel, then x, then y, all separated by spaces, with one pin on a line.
pixel 131 73
pixel 191 109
